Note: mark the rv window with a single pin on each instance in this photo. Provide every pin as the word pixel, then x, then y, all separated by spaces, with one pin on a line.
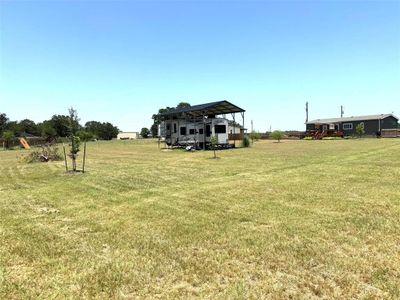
pixel 183 130
pixel 220 129
pixel 191 131
pixel 208 130
pixel 168 126
pixel 174 127
pixel 201 131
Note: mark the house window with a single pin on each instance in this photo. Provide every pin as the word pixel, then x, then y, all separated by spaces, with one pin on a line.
pixel 220 129
pixel 191 131
pixel 174 127
pixel 183 130
pixel 201 131
pixel 168 126
pixel 347 126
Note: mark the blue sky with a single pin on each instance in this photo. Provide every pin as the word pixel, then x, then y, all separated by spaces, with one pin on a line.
pixel 120 61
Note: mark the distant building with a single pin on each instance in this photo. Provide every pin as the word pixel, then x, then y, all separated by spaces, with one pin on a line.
pixel 373 124
pixel 128 136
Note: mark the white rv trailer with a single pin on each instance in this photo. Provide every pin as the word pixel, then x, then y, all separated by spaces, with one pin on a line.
pixel 186 132
pixel 195 125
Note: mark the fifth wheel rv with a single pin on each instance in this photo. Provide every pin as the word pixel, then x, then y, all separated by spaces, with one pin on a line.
pixel 195 125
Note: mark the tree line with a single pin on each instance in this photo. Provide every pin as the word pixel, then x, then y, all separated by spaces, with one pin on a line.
pixel 157 117
pixel 59 126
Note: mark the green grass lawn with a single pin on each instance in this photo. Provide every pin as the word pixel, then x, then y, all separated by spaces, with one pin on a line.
pixel 296 219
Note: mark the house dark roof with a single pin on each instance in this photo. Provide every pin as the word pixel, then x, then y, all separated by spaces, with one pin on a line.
pixel 350 119
pixel 213 108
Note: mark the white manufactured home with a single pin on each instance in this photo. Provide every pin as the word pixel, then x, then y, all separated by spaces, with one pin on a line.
pixel 195 125
pixel 128 136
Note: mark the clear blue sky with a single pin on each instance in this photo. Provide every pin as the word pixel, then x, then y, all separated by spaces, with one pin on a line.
pixel 120 61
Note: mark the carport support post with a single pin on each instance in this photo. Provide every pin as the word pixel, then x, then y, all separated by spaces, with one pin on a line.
pixel 204 132
pixel 234 130
pixel 170 130
pixel 243 122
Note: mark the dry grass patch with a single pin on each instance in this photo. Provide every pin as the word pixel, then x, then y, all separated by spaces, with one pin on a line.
pixel 296 219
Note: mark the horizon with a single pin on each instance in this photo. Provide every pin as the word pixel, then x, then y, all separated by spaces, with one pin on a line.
pixel 119 62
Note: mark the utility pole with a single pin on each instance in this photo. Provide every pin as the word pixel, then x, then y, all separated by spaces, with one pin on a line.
pixel 252 126
pixel 306 111
pixel 341 111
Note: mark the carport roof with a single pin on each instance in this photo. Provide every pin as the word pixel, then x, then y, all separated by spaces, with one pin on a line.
pixel 212 108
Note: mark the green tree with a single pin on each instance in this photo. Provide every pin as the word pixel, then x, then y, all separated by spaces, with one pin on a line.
pixel 73 128
pixel 183 105
pixel 103 131
pixel 7 136
pixel 85 135
pixel 157 118
pixel 145 132
pixel 154 130
pixel 255 136
pixel 277 135
pixel 3 122
pixel 108 131
pixel 94 127
pixel 214 143
pixel 234 124
pixel 360 129
pixel 47 130
pixel 62 125
pixel 28 126
pixel 12 126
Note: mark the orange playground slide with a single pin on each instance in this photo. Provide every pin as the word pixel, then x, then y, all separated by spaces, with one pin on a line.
pixel 24 143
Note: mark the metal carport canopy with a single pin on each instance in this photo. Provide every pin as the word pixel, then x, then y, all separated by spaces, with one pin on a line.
pixel 213 108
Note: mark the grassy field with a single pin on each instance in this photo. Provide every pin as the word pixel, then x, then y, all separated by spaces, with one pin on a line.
pixel 290 220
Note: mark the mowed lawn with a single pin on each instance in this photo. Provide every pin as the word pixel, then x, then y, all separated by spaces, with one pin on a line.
pixel 296 219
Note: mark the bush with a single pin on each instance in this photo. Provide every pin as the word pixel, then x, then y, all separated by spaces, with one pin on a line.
pixel 277 135
pixel 255 136
pixel 246 142
pixel 360 129
pixel 45 154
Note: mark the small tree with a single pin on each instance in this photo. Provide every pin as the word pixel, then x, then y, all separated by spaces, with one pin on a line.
pixel 214 143
pixel 277 135
pixel 145 132
pixel 75 140
pixel 75 143
pixel 246 142
pixel 255 136
pixel 360 129
pixel 7 136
